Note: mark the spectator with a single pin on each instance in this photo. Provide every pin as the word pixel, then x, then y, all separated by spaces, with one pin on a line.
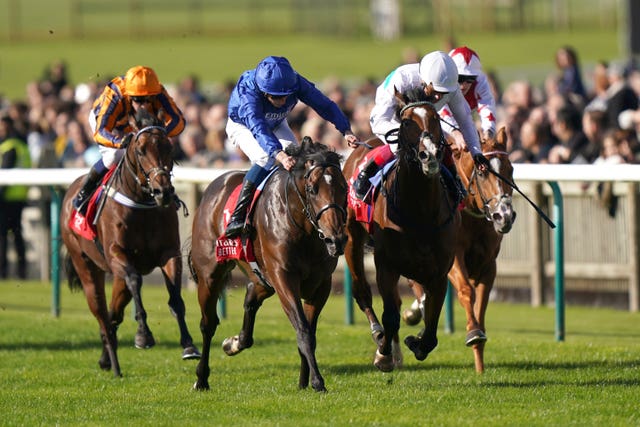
pixel 573 144
pixel 570 79
pixel 13 199
pixel 535 141
pixel 620 96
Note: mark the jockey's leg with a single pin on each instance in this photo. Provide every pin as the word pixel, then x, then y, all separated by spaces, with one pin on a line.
pixel 91 181
pixel 251 180
pixel 381 157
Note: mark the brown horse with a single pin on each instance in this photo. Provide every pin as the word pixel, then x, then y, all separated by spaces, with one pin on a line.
pixel 415 220
pixel 136 232
pixel 298 223
pixel 487 216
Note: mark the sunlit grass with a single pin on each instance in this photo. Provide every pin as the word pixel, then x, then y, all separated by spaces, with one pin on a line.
pixel 50 374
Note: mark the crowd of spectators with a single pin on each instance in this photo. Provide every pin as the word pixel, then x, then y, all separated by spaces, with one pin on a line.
pixel 568 120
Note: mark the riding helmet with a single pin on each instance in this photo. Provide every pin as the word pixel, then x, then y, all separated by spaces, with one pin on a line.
pixel 275 76
pixel 439 69
pixel 141 81
pixel 467 61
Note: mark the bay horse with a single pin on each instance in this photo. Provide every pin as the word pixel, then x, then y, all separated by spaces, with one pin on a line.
pixel 414 229
pixel 136 232
pixel 487 216
pixel 298 223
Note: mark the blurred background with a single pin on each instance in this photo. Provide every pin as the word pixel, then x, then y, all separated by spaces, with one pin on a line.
pixel 55 57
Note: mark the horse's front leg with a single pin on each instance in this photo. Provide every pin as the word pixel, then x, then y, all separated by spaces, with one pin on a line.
pixel 123 269
pixel 172 272
pixel 388 288
pixel 288 289
pixel 255 295
pixel 354 256
pixel 459 277
pixel 312 308
pixel 435 292
pixel 483 290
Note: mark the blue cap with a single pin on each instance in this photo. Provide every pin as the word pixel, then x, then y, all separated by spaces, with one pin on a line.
pixel 275 76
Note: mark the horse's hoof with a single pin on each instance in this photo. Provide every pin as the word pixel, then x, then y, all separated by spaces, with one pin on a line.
pixel 231 346
pixel 190 352
pixel 475 336
pixel 413 343
pixel 104 365
pixel 201 385
pixel 411 317
pixel 144 341
pixel 382 362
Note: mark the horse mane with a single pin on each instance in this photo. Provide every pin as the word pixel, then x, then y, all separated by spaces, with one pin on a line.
pixel 145 119
pixel 314 152
pixel 414 94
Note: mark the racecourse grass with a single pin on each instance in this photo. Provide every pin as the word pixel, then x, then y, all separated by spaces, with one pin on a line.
pixel 49 372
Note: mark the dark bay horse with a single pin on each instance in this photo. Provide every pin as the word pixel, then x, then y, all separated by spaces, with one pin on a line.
pixel 298 223
pixel 488 215
pixel 414 227
pixel 136 232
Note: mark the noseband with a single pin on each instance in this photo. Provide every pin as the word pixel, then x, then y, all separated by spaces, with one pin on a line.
pixel 306 200
pixel 154 172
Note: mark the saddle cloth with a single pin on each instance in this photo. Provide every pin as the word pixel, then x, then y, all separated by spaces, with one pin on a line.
pixel 233 249
pixel 364 208
pixel 81 224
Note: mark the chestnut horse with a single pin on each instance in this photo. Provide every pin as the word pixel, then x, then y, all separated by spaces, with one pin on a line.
pixel 298 235
pixel 136 232
pixel 488 215
pixel 414 226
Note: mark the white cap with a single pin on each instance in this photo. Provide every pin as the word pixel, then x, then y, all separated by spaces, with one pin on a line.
pixel 466 60
pixel 439 69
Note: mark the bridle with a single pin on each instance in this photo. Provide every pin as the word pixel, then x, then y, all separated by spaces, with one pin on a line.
pixel 425 133
pixel 475 178
pixel 312 216
pixel 135 164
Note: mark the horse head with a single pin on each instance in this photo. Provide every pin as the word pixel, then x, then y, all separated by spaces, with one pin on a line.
pixel 420 134
pixel 488 190
pixel 325 192
pixel 149 158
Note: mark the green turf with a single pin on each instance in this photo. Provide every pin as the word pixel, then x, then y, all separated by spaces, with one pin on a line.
pixel 49 372
pixel 216 59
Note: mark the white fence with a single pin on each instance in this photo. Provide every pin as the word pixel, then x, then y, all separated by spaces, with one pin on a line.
pixel 602 252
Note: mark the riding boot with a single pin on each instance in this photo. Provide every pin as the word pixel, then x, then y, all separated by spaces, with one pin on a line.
pixel 239 215
pixel 362 184
pixel 89 185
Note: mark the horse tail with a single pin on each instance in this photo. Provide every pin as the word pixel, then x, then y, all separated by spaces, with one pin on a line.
pixel 72 275
pixel 192 270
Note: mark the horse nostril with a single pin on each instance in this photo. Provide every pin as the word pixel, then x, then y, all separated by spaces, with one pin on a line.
pixel 422 155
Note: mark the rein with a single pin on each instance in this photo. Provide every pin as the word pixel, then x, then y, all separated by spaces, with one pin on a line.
pixel 475 177
pixel 306 203
pixel 150 175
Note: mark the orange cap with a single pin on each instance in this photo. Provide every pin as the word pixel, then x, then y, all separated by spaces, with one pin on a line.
pixel 141 81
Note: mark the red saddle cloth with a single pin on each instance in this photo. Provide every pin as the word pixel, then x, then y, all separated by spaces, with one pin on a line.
pixel 233 249
pixel 364 208
pixel 82 225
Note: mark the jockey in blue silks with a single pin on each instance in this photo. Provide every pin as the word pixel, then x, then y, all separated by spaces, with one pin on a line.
pixel 258 110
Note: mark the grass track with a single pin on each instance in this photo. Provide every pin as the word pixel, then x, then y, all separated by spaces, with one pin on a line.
pixel 50 375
